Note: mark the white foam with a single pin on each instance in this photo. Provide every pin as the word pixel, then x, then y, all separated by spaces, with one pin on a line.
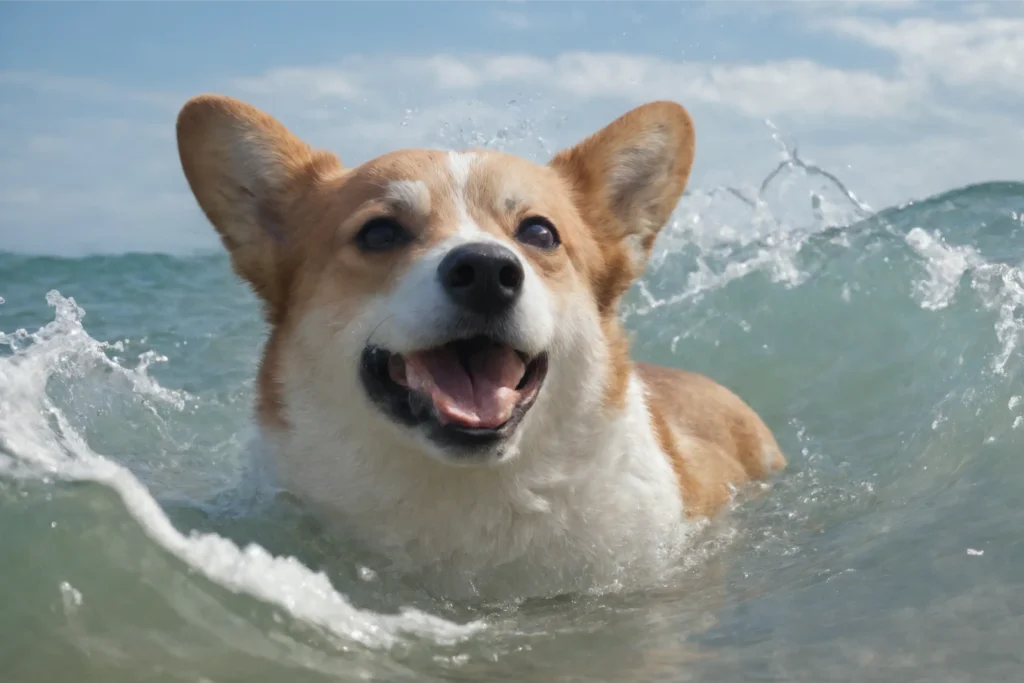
pixel 999 286
pixel 796 201
pixel 945 264
pixel 41 443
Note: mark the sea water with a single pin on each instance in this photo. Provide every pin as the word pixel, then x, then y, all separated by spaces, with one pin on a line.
pixel 884 348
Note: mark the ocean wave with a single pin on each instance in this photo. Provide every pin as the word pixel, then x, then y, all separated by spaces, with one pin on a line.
pixel 895 333
pixel 37 440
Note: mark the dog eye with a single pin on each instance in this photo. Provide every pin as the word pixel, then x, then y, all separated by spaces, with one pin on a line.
pixel 382 234
pixel 538 232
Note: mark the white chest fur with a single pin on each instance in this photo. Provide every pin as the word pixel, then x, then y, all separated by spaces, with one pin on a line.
pixel 583 504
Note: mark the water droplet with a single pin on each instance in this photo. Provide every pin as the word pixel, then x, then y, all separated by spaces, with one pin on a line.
pixel 70 596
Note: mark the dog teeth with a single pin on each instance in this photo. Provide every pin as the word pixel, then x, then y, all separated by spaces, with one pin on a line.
pixel 419 404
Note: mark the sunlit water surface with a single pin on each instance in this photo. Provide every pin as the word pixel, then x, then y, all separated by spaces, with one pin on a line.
pixel 885 350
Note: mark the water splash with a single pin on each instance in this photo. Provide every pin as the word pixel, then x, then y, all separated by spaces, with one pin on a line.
pixel 725 234
pixel 716 237
pixel 514 131
pixel 38 441
pixel 736 231
pixel 945 264
pixel 1000 287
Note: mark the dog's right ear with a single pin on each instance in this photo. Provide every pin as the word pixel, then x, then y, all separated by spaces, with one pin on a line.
pixel 245 170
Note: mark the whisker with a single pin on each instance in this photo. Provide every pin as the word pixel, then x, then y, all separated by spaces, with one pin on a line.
pixel 377 327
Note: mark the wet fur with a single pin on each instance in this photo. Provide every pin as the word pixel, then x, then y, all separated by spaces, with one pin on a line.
pixel 594 483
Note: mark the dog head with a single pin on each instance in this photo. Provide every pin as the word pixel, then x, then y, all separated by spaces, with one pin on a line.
pixel 446 302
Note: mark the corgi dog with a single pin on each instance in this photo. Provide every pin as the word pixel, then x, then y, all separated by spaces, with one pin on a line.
pixel 446 375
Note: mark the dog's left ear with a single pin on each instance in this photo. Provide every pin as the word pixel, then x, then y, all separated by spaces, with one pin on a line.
pixel 627 178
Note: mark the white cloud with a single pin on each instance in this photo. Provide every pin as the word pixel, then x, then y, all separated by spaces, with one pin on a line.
pixel 981 54
pixel 850 5
pixel 310 82
pixel 725 11
pixel 885 172
pixel 793 87
pixel 71 182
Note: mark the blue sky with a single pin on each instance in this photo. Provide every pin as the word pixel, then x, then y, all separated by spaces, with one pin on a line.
pixel 899 99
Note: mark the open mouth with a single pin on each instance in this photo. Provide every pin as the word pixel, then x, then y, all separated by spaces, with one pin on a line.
pixel 469 391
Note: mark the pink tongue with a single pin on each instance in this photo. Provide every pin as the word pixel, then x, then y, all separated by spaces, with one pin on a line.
pixel 483 397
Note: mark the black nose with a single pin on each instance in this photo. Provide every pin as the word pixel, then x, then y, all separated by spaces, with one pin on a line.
pixel 484 278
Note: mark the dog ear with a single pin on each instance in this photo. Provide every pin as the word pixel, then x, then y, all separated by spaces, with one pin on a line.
pixel 627 178
pixel 245 168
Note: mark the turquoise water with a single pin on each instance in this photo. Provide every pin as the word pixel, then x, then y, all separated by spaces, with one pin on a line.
pixel 885 350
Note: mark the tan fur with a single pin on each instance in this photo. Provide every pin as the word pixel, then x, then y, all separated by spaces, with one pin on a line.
pixel 234 190
pixel 288 213
pixel 661 135
pixel 659 132
pixel 715 440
